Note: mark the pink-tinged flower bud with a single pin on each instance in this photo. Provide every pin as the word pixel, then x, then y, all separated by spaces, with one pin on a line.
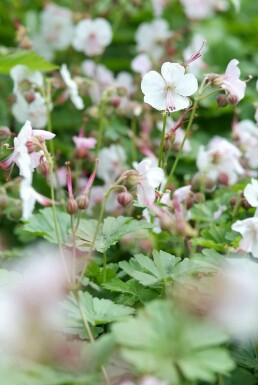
pixel 124 198
pixel 71 206
pixel 222 101
pixel 210 184
pixel 232 99
pixel 43 168
pixel 116 101
pixel 133 178
pixel 5 133
pixel 30 96
pixel 189 203
pixel 83 202
pixel 233 201
pixel 223 179
pixel 197 182
pixel 199 198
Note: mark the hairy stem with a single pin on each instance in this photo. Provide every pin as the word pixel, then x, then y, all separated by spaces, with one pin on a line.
pixel 161 148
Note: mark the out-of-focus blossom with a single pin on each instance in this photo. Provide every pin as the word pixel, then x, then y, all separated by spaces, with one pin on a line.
pixel 59 177
pixel 203 9
pixel 124 81
pixel 29 105
pixel 150 36
pixel 220 156
pixel 198 65
pixel 72 88
pixel 36 111
pixel 146 381
pixel 102 78
pixel 245 133
pixel 248 228
pixel 170 91
pixel 33 300
pixel 56 30
pixel 92 36
pixel 158 6
pixel 83 145
pixel 150 177
pixel 111 163
pixel 29 197
pixel 235 303
pixel 141 64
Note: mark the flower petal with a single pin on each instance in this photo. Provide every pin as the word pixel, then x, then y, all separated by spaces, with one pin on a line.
pixel 172 72
pixel 187 86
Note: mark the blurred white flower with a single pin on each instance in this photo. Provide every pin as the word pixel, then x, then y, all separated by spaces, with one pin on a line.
pixel 203 9
pixel 150 177
pixel 245 133
pixel 220 157
pixel 56 30
pixel 251 193
pixel 35 111
pixel 22 74
pixel 150 36
pixel 72 88
pixel 92 36
pixel 111 163
pixel 170 91
pixel 141 64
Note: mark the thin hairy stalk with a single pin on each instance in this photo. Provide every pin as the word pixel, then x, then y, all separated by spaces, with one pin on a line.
pixel 134 135
pixel 73 228
pixel 161 148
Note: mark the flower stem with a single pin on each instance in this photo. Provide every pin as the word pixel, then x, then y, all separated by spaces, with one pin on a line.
pixel 189 125
pixel 161 148
pixel 101 124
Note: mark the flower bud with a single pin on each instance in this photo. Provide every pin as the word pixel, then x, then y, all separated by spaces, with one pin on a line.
pixel 125 198
pixel 83 202
pixel 222 101
pixel 43 168
pixel 198 198
pixel 189 203
pixel 245 204
pixel 197 182
pixel 223 179
pixel 232 99
pixel 116 101
pixel 4 133
pixel 30 96
pixel 210 184
pixel 71 206
pixel 233 201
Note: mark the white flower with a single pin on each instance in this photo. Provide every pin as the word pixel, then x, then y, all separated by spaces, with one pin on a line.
pixel 57 26
pixel 21 73
pixel 35 112
pixel 124 80
pixel 202 9
pixel 231 82
pixel 102 78
pixel 150 177
pixel 169 92
pixel 92 36
pixel 221 156
pixel 248 228
pixel 251 193
pixel 141 63
pixel 111 163
pixel 150 36
pixel 246 134
pixel 29 197
pixel 72 87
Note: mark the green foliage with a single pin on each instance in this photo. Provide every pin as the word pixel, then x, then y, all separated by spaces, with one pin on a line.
pixel 168 344
pixel 96 311
pixel 110 232
pixel 150 272
pixel 27 58
pixel 42 224
pixel 132 291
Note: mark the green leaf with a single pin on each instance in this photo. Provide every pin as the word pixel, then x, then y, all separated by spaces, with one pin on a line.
pixel 150 272
pixel 96 311
pixel 133 288
pixel 27 58
pixel 42 224
pixel 110 232
pixel 166 343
